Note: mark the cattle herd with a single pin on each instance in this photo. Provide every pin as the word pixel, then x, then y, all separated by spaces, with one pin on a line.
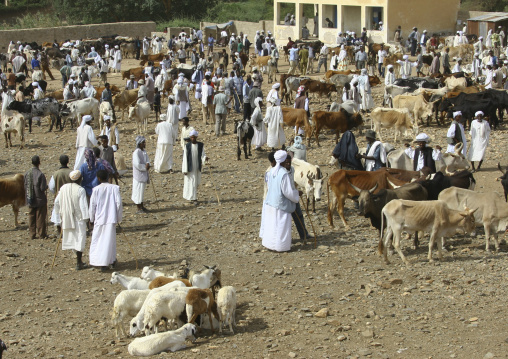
pixel 393 199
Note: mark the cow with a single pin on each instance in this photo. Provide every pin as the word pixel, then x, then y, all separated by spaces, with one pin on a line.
pixel 261 62
pixel 12 191
pixel 397 118
pixel 138 73
pixel 245 132
pixel 452 82
pixel 140 112
pixel 146 58
pixel 416 82
pixel 124 99
pixel 297 117
pixel 12 122
pixel 104 109
pixel 340 183
pixel 340 80
pixel 392 60
pixel 76 109
pixel 408 101
pixel 469 104
pixel 37 108
pixel 349 105
pixel 440 182
pixel 310 179
pixel 391 91
pixel 55 53
pixel 186 70
pixel 292 84
pixel 490 210
pixel 128 48
pixel 434 217
pixel 330 73
pixel 504 181
pixel 340 121
pixel 321 88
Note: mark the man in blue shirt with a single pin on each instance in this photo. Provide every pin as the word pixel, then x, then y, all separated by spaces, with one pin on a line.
pixel 35 62
pixel 293 60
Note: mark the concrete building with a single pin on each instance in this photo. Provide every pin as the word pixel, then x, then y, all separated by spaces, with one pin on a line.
pixel 435 16
pixel 480 25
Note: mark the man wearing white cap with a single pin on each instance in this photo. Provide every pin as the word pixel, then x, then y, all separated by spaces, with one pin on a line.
pixel 166 137
pixel 478 45
pixel 140 178
pixel 456 134
pixel 181 93
pixel 389 80
pixel 70 212
pixel 192 164
pixel 280 202
pixel 405 66
pixel 105 212
pixel 457 67
pixel 85 138
pixel 256 120
pixel 480 133
pixel 111 131
pixel 423 156
pixel 423 42
pixel 88 90
pixel 273 118
pixel 92 54
pixel 117 59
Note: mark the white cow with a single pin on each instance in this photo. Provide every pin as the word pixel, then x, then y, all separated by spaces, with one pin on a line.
pixel 399 119
pixel 350 106
pixel 11 122
pixel 310 178
pixel 76 109
pixel 104 109
pixel 140 112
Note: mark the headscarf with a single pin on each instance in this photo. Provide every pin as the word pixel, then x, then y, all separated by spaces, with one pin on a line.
pixel 276 85
pixel 90 158
pixel 74 175
pixel 346 150
pixel 457 113
pixel 193 133
pixel 298 142
pixel 36 84
pixel 85 119
pixel 478 113
pixel 280 156
pixel 301 89
pixel 140 139
pixel 257 100
pixel 423 137
pixel 405 57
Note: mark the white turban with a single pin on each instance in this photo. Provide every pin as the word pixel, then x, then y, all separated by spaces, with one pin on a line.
pixel 389 67
pixel 480 38
pixel 179 81
pixel 116 47
pixel 423 137
pixel 257 100
pixel 85 119
pixel 276 85
pixel 280 156
pixel 478 113
pixel 106 46
pixel 193 133
pixel 107 117
pixel 74 175
pixel 405 57
pixel 140 139
pixel 92 48
pixel 457 113
pixel 181 74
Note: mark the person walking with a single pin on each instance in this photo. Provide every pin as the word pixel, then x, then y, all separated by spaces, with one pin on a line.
pixel 166 138
pixel 192 164
pixel 35 193
pixel 140 178
pixel 220 102
pixel 85 139
pixel 480 134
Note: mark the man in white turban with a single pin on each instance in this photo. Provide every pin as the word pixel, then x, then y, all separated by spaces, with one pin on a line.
pixel 280 202
pixel 480 133
pixel 405 66
pixel 181 93
pixel 422 155
pixel 85 138
pixel 117 59
pixel 456 134
pixel 256 120
pixel 140 178
pixel 273 119
pixel 166 138
pixel 193 160
pixel 70 212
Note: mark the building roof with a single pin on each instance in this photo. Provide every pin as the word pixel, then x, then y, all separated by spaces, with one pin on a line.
pixel 491 17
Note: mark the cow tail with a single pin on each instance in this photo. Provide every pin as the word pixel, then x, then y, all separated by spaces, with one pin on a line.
pixel 381 245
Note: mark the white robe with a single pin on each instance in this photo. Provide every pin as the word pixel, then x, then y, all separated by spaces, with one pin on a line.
pixel 183 105
pixel 117 60
pixel 451 134
pixel 138 188
pixel 163 161
pixel 275 229
pixel 71 212
pixel 260 135
pixel 480 133
pixel 405 68
pixel 105 212
pixel 192 179
pixel 273 118
pixel 185 134
pixel 84 136
pixel 173 116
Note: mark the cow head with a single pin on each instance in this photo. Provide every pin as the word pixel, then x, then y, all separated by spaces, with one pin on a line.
pixel 455 161
pixel 469 220
pixel 132 110
pixel 357 120
pixel 364 199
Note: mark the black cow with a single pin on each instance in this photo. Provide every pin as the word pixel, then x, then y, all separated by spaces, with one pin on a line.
pixel 38 108
pixel 56 53
pixel 504 181
pixel 415 83
pixel 245 132
pixel 440 182
pixel 186 72
pixel 29 90
pixel 469 104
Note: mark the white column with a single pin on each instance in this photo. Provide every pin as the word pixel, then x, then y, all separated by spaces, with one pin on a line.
pixel 298 20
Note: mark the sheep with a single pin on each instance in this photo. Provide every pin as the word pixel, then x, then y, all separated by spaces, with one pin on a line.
pixel 128 282
pixel 150 274
pixel 206 279
pixel 165 304
pixel 199 301
pixel 157 343
pixel 137 323
pixel 226 302
pixel 127 303
pixel 160 281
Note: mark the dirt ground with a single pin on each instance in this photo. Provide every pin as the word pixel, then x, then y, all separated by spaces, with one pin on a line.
pixel 449 309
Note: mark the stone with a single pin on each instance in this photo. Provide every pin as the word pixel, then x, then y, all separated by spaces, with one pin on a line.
pixel 396 281
pixel 368 333
pixel 292 355
pixel 323 313
pixel 341 338
pixel 278 271
pixel 364 352
pixel 489 355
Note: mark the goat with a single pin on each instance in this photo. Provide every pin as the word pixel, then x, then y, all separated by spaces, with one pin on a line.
pixel 226 301
pixel 200 301
pixel 245 132
pixel 160 281
pixel 157 343
pixel 127 303
pixel 128 282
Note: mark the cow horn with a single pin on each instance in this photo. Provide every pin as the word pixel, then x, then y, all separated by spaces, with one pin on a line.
pixel 326 175
pixel 458 148
pixel 354 187
pixel 392 184
pixel 448 173
pixel 373 188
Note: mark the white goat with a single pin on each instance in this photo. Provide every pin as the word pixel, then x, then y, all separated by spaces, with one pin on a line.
pixel 137 323
pixel 150 274
pixel 226 303
pixel 205 279
pixel 129 282
pixel 127 303
pixel 164 304
pixel 157 343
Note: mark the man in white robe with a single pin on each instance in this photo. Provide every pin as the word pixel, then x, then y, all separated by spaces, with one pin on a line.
pixel 193 160
pixel 117 59
pixel 480 133
pixel 17 63
pixel 146 45
pixel 456 134
pixel 70 212
pixel 186 130
pixel 85 139
pixel 166 138
pixel 256 121
pixel 406 66
pixel 273 118
pixel 181 92
pixel 280 202
pixel 105 212
pixel 173 114
pixel 423 155
pixel 140 167
pixel 112 132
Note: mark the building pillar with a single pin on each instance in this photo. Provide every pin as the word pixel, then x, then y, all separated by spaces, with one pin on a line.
pixel 363 16
pixel 340 24
pixel 298 20
pixel 320 21
pixel 276 14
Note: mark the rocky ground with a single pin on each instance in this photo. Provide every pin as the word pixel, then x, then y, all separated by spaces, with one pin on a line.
pixel 338 300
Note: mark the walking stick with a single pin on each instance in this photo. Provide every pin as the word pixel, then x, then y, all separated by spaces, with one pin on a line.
pixel 305 234
pixel 129 243
pixel 312 224
pixel 155 195
pixel 214 185
pixel 56 249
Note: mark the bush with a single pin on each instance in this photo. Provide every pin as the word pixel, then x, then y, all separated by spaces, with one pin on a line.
pixel 244 10
pixel 36 20
pixel 180 22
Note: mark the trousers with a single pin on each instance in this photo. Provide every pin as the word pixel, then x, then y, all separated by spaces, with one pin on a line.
pixel 37 221
pixel 297 216
pixel 220 124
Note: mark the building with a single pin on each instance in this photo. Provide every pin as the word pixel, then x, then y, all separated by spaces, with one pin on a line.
pixel 435 16
pixel 480 25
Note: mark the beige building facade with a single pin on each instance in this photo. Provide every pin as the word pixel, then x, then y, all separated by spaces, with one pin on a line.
pixel 435 16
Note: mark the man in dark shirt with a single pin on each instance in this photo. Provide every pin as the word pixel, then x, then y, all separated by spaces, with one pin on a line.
pixel 35 190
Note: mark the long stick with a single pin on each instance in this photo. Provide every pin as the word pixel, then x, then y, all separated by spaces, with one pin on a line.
pixel 312 224
pixel 129 243
pixel 305 234
pixel 155 194
pixel 214 186
pixel 56 249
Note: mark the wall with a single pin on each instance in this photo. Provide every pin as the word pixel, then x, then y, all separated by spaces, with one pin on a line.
pixel 246 27
pixel 76 32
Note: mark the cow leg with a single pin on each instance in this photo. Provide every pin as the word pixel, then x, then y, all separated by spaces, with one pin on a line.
pixel 15 210
pixel 7 141
pixel 313 205
pixel 10 142
pixel 238 152
pixel 432 240
pixel 396 245
pixel 340 209
pixel 486 226
pixel 317 135
pixel 250 153
pixel 416 242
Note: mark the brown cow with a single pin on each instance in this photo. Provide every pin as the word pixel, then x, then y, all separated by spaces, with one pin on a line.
pixel 12 191
pixel 138 73
pixel 330 73
pixel 114 90
pixel 321 88
pixel 297 117
pixel 341 181
pixel 339 121
pixel 146 58
pixel 125 99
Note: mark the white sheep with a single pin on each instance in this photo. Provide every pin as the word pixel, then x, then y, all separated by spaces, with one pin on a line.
pixel 165 304
pixel 150 274
pixel 205 279
pixel 137 323
pixel 226 301
pixel 157 343
pixel 127 303
pixel 129 282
